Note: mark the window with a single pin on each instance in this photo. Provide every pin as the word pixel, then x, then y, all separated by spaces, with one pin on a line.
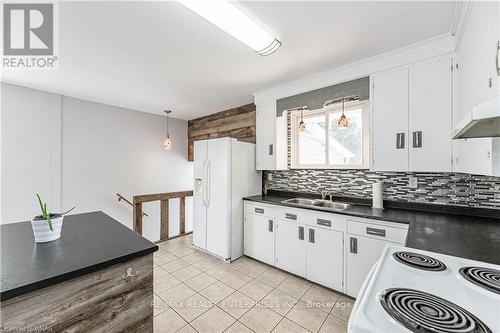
pixel 324 145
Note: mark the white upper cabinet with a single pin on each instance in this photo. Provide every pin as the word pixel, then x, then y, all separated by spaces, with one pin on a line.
pixel 270 138
pixel 430 113
pixel 390 121
pixel 412 112
pixel 477 81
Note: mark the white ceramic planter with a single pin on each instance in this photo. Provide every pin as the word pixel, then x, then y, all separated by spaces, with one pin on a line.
pixel 42 231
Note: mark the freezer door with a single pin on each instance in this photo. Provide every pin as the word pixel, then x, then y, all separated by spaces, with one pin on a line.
pixel 199 193
pixel 218 197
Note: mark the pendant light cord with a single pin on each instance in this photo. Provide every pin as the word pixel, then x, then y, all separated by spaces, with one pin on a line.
pixel 167 122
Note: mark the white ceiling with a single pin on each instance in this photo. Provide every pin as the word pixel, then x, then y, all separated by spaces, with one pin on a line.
pixel 154 55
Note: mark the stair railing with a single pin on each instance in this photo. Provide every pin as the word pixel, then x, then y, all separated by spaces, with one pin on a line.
pixel 164 199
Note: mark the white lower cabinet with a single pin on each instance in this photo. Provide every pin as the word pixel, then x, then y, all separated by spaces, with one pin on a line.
pixel 291 247
pixel 361 254
pixel 259 237
pixel 364 241
pixel 333 250
pixel 325 256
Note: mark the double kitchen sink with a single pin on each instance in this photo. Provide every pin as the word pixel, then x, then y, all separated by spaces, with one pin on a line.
pixel 324 204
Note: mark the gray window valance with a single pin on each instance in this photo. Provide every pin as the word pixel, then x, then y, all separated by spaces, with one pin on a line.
pixel 315 99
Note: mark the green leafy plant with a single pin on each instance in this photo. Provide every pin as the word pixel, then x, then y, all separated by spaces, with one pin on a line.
pixel 46 215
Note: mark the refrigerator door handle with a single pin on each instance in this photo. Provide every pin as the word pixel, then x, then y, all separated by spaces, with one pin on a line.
pixel 204 184
pixel 208 184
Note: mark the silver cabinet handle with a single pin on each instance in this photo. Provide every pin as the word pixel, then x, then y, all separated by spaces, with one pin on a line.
pixel 353 245
pixel 259 210
pixel 326 223
pixel 375 231
pixel 291 216
pixel 271 149
pixel 311 235
pixel 270 226
pixel 301 233
pixel 400 140
pixel 498 55
pixel 417 139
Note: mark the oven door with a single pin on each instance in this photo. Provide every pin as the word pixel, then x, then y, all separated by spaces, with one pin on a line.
pixel 351 326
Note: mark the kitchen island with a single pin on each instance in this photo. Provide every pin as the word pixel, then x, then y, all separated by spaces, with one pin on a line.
pixel 97 277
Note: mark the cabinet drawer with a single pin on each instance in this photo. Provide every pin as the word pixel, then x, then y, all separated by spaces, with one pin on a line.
pixel 291 214
pixel 259 209
pixel 325 220
pixel 377 231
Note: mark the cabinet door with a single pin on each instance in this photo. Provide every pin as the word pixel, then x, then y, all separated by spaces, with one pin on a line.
pixel 493 47
pixel 259 238
pixel 291 247
pixel 473 156
pixel 430 116
pixel 325 254
pixel 361 254
pixel 265 136
pixel 475 60
pixel 390 121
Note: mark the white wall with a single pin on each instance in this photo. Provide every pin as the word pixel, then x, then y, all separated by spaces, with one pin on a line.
pixel 31 151
pixel 103 150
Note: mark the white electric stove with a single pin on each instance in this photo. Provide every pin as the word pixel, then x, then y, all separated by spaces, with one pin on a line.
pixel 411 290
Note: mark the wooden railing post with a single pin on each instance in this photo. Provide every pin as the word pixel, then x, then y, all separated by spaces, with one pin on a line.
pixel 163 219
pixel 164 200
pixel 182 215
pixel 138 218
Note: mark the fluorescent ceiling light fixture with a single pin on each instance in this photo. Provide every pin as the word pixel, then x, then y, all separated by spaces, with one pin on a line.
pixel 229 18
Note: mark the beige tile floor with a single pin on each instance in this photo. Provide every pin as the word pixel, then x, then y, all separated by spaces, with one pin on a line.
pixel 194 292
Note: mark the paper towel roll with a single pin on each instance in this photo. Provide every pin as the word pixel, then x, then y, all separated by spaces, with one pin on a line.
pixel 378 195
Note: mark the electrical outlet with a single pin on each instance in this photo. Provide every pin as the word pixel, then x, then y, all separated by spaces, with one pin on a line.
pixel 412 182
pixel 269 176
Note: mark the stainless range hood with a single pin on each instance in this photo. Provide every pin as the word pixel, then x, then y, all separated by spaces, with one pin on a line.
pixel 483 121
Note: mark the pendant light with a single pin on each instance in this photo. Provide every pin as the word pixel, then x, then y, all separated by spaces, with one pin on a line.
pixel 343 122
pixel 167 143
pixel 302 126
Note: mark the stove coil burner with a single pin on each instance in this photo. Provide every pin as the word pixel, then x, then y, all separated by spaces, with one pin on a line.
pixel 486 278
pixel 420 261
pixel 421 312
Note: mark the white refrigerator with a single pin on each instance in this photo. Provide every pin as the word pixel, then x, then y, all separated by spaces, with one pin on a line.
pixel 224 173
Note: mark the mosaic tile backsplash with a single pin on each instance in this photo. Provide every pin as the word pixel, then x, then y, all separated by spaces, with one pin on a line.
pixel 439 188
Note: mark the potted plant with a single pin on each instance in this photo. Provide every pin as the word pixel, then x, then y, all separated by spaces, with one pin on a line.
pixel 47 227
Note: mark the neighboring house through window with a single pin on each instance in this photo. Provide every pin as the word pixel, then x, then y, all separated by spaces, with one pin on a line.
pixel 324 145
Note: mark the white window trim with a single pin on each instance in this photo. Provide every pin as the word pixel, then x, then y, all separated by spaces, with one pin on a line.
pixel 295 119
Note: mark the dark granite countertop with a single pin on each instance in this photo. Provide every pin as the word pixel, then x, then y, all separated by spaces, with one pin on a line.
pixel 460 235
pixel 89 242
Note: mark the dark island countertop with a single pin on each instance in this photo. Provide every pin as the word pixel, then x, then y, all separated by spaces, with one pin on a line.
pixel 466 236
pixel 89 242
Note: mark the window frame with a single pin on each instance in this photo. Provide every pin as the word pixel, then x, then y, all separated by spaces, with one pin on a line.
pixel 327 111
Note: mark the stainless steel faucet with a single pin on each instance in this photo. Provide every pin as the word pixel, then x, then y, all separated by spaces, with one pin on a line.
pixel 323 194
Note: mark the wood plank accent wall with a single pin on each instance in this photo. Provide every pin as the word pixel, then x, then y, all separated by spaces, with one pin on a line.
pixel 103 301
pixel 238 123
